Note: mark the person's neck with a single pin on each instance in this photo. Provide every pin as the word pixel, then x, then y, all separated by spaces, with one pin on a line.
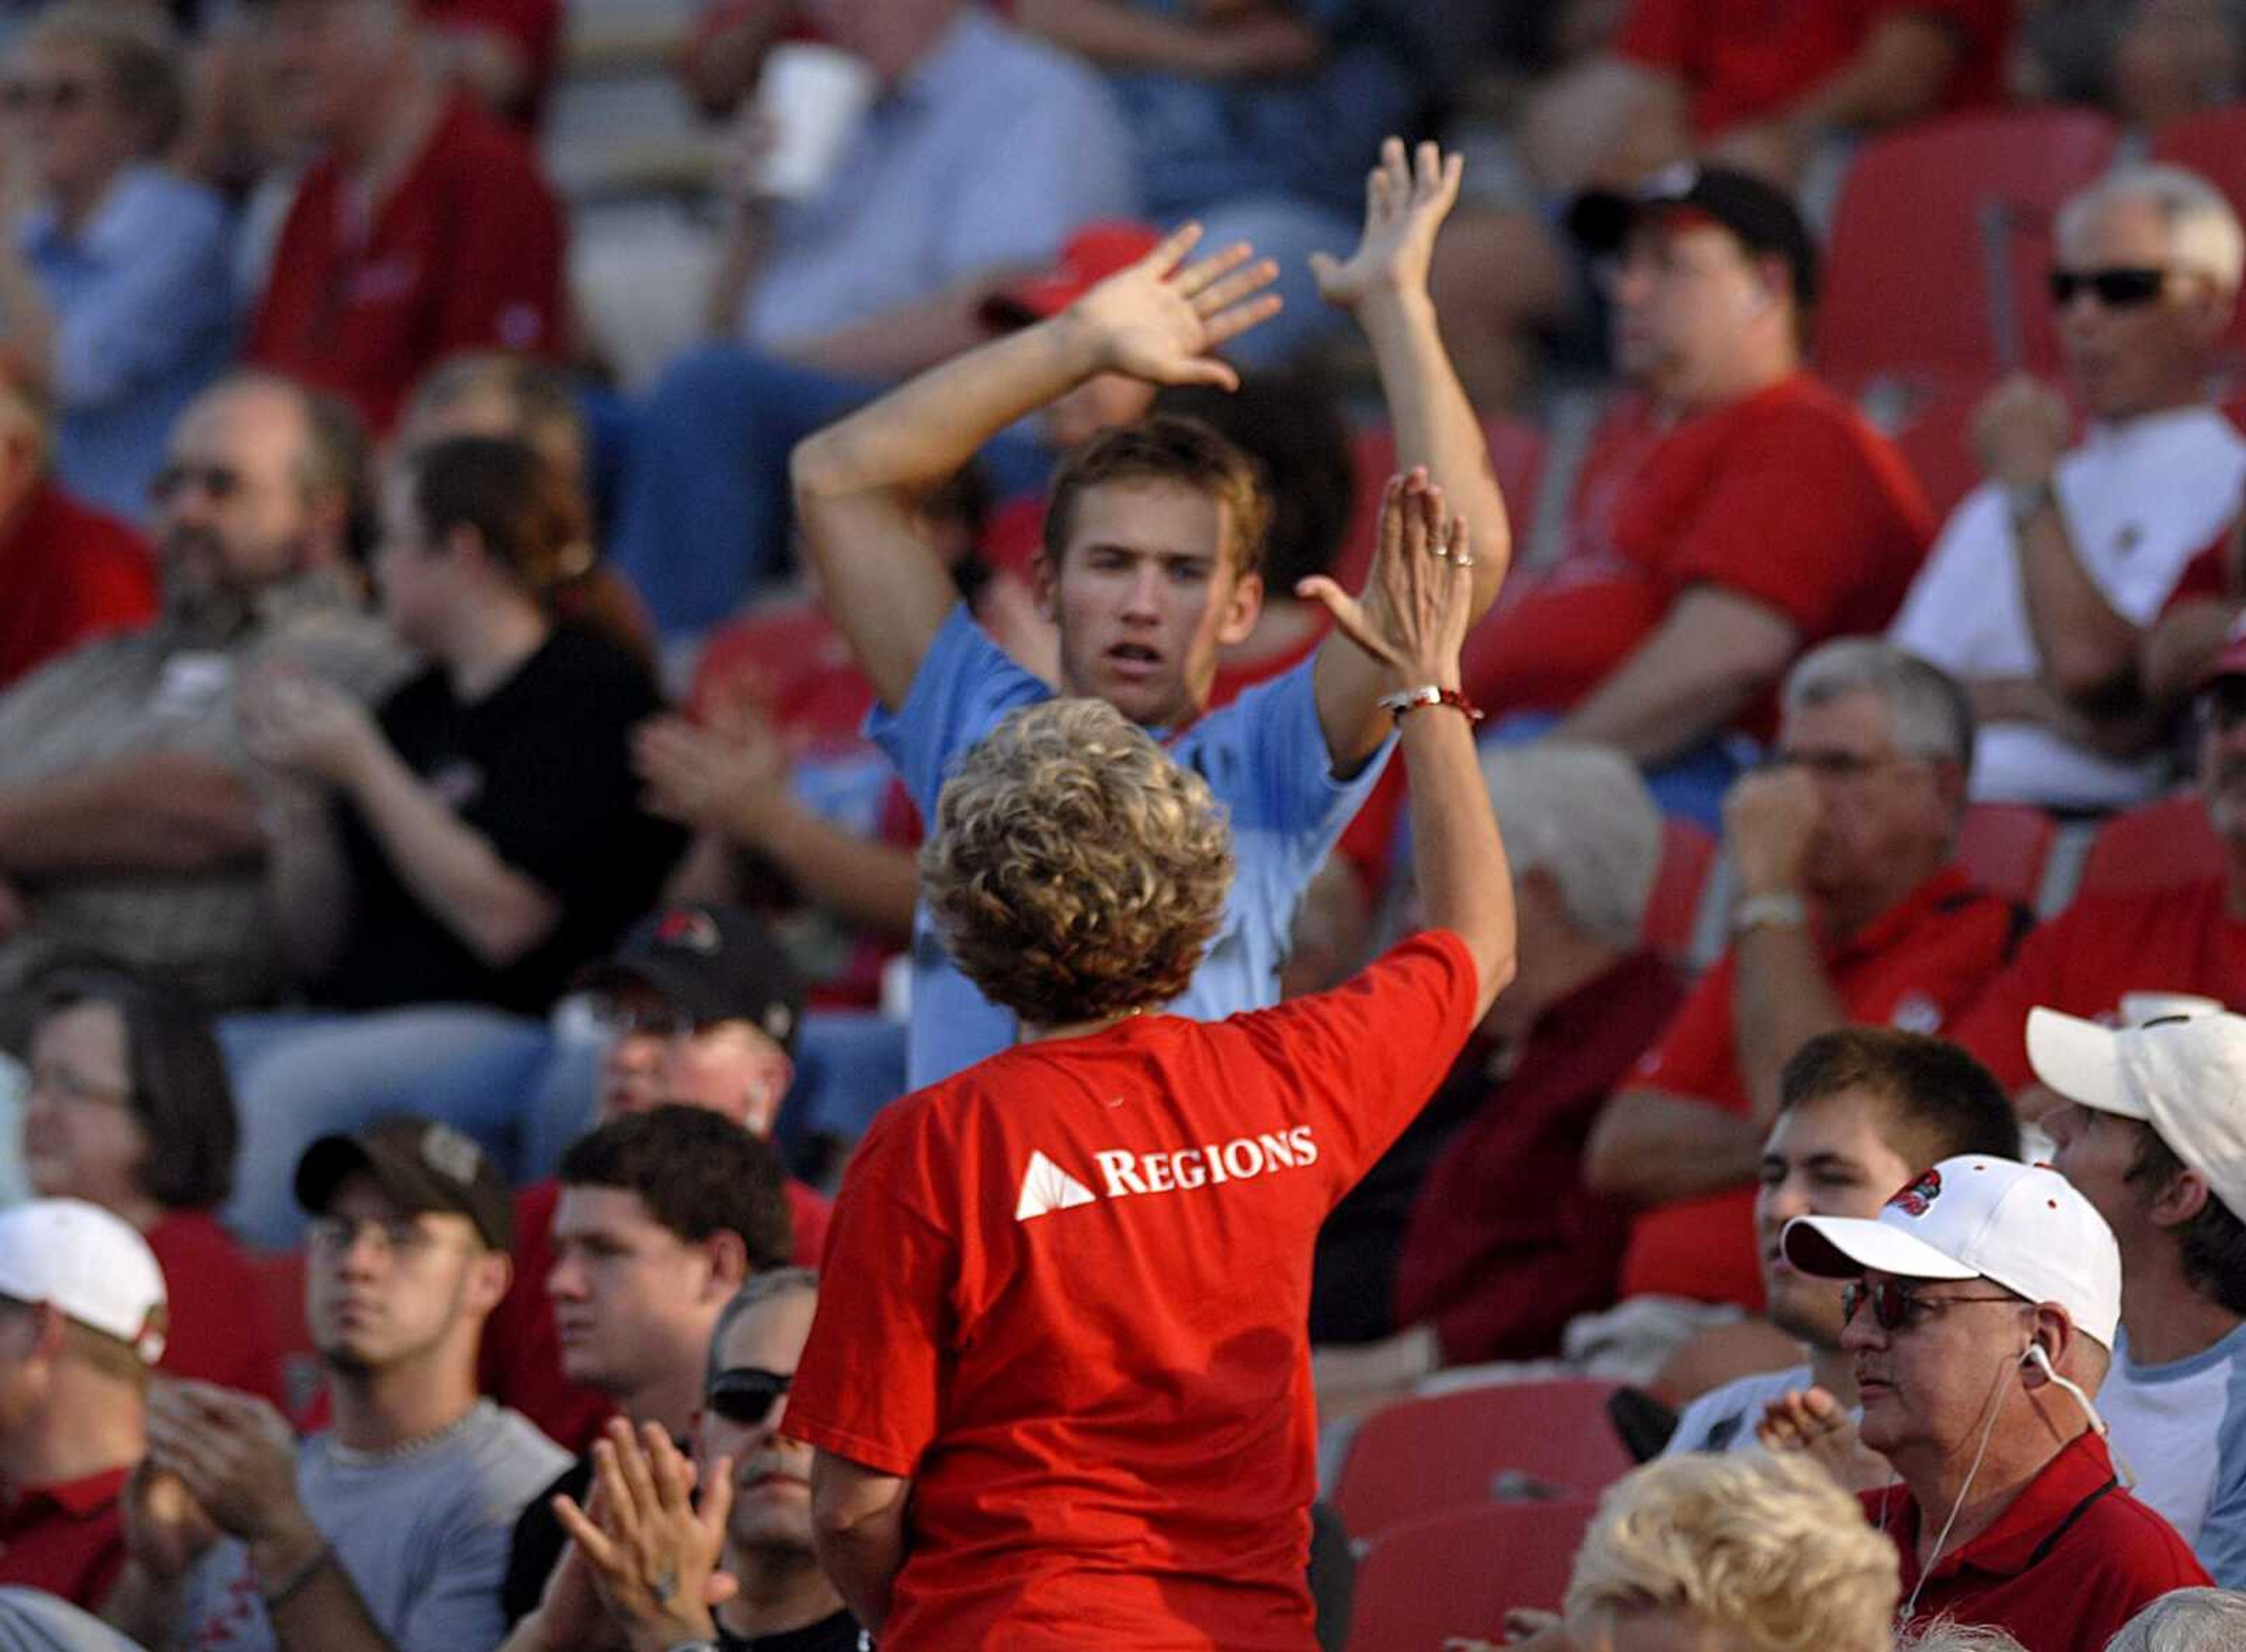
pixel 380 1411
pixel 87 1426
pixel 1284 625
pixel 2015 1456
pixel 2165 1315
pixel 781 1589
pixel 1834 1369
pixel 1037 1033
pixel 670 1403
pixel 1731 380
pixel 377 148
pixel 489 645
pixel 1561 964
pixel 77 201
pixel 2181 396
pixel 1845 912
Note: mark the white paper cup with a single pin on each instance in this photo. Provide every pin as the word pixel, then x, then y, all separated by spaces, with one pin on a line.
pixel 812 96
pixel 2138 1008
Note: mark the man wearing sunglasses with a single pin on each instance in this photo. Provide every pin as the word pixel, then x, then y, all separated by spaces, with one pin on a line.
pixel 2039 591
pixel 1980 1309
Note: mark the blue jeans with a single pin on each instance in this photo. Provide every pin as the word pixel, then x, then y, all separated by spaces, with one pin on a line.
pixel 299 1075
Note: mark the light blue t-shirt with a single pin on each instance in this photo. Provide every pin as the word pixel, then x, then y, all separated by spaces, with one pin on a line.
pixel 1264 757
pixel 1723 1419
pixel 2182 1428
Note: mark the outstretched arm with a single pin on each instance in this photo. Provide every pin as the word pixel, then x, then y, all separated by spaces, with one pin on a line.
pixel 858 483
pixel 1384 285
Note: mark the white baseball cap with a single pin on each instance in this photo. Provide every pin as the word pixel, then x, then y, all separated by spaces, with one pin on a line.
pixel 2185 1077
pixel 2023 1227
pixel 91 1265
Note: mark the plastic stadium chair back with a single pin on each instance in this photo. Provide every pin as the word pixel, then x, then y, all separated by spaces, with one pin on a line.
pixel 1459 1571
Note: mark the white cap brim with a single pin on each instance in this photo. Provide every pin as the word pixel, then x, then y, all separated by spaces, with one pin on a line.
pixel 2081 1061
pixel 1843 1247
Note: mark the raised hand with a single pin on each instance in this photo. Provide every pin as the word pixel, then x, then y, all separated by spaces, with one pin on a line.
pixel 1418 598
pixel 654 1553
pixel 1161 319
pixel 1407 198
pixel 294 721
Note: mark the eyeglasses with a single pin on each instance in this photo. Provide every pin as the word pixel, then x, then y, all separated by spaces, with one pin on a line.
pixel 745 1396
pixel 1836 766
pixel 60 1083
pixel 220 481
pixel 57 96
pixel 331 1237
pixel 2119 288
pixel 1895 1304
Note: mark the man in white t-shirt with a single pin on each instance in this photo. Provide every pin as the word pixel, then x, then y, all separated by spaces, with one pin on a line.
pixel 2155 1136
pixel 2042 579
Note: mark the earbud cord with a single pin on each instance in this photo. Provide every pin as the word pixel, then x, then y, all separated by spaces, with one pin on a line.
pixel 1996 1409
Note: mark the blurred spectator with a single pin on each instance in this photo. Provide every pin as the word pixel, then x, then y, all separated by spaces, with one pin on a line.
pixel 451 859
pixel 2147 1132
pixel 1253 119
pixel 128 1107
pixel 2149 61
pixel 33 1621
pixel 664 1214
pixel 1850 911
pixel 1474 1238
pixel 2037 592
pixel 2188 937
pixel 114 276
pixel 1741 513
pixel 129 808
pixel 81 1321
pixel 1987 1390
pixel 505 52
pixel 72 573
pixel 698 1007
pixel 1860 1111
pixel 390 1529
pixel 424 230
pixel 2186 1620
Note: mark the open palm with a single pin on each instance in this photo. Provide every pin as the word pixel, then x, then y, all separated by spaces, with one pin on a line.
pixel 1407 198
pixel 1161 319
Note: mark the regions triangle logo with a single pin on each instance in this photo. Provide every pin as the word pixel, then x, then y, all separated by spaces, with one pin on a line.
pixel 1047 1187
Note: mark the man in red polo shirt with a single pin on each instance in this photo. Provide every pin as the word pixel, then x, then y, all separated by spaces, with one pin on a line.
pixel 1981 1311
pixel 423 230
pixel 1849 912
pixel 81 1322
pixel 2188 938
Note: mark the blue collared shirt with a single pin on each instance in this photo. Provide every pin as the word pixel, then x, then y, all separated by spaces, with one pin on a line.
pixel 992 151
pixel 142 295
pixel 1264 757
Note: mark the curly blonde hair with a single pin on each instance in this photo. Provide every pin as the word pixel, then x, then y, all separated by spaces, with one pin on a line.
pixel 1765 1547
pixel 1075 871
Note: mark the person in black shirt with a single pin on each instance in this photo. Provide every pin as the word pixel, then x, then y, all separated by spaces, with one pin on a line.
pixel 466 849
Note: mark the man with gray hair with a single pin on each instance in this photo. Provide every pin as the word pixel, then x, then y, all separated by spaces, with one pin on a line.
pixel 1849 912
pixel 1474 1238
pixel 2186 1620
pixel 2044 579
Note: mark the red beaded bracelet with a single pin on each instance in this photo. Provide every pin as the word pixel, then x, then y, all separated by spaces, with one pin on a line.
pixel 1411 699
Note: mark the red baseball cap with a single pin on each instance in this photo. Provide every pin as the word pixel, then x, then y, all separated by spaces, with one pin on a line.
pixel 1093 253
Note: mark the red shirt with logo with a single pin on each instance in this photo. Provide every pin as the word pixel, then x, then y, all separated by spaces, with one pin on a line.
pixel 2065 1566
pixel 465 253
pixel 67 1539
pixel 1080 1279
pixel 1787 498
pixel 72 574
pixel 2176 940
pixel 1914 966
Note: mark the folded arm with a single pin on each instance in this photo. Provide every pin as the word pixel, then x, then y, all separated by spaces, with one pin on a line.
pixel 1712 656
pixel 1654 1148
pixel 167 811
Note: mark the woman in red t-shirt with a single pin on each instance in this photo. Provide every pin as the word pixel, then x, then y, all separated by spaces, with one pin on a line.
pixel 1059 1382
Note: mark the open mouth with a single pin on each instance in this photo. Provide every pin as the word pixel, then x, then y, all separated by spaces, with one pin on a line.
pixel 1133 660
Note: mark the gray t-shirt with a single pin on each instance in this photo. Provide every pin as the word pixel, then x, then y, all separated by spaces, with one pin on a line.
pixel 1723 1419
pixel 32 1620
pixel 424 1537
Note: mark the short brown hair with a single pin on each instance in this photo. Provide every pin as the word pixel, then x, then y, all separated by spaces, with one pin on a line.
pixel 1165 448
pixel 1075 872
pixel 531 520
pixel 1941 1103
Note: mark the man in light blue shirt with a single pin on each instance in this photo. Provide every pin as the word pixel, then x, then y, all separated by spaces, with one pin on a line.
pixel 1151 537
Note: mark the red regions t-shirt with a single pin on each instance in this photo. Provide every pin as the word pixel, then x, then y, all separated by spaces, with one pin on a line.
pixel 1078 1288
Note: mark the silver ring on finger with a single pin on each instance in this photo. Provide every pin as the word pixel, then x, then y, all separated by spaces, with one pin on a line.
pixel 665 1587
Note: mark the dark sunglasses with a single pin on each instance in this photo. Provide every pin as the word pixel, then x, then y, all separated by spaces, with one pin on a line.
pixel 1895 1304
pixel 220 481
pixel 57 96
pixel 2116 288
pixel 745 1396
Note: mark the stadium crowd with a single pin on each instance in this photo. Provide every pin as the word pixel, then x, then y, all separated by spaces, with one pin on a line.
pixel 1357 824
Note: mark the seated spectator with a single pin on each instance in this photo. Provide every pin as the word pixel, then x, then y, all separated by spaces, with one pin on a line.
pixel 389 1529
pixel 115 282
pixel 664 1214
pixel 2188 938
pixel 423 230
pixel 2186 1620
pixel 81 1321
pixel 1474 1237
pixel 129 810
pixel 127 1107
pixel 2149 61
pixel 1850 911
pixel 2146 1132
pixel 73 573
pixel 451 861
pixel 1744 513
pixel 1859 1109
pixel 2008 1511
pixel 2037 592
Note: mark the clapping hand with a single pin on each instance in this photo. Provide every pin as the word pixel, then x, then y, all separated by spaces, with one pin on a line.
pixel 234 1455
pixel 1161 319
pixel 1810 1421
pixel 654 1555
pixel 731 777
pixel 1418 598
pixel 294 721
pixel 1407 198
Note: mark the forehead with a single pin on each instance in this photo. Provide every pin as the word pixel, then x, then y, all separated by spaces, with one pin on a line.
pixel 1854 1123
pixel 360 1195
pixel 1149 514
pixel 2118 229
pixel 1684 234
pixel 248 427
pixel 614 1212
pixel 770 1335
pixel 1857 720
pixel 90 1027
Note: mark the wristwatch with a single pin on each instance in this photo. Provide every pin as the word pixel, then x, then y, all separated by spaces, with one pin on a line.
pixel 2024 502
pixel 1781 910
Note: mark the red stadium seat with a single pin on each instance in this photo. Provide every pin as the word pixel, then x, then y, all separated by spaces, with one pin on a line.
pixel 1448 1450
pixel 1687 853
pixel 1458 1573
pixel 2212 144
pixel 281 1279
pixel 1908 280
pixel 2153 847
pixel 2004 846
pixel 1516 449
